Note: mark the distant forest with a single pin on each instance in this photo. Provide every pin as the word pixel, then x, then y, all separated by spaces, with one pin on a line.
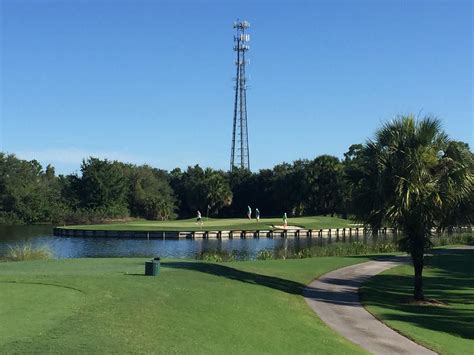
pixel 110 190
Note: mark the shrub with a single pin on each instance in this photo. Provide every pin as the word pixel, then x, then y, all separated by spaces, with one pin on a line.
pixel 450 239
pixel 95 215
pixel 27 251
pixel 220 256
pixel 335 249
pixel 265 254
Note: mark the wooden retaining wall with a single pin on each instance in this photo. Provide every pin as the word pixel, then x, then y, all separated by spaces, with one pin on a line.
pixel 332 234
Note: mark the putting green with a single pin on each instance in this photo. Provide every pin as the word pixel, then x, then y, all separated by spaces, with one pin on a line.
pixel 311 222
pixel 34 308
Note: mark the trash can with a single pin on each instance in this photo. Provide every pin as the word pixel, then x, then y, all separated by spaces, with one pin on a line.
pixel 152 268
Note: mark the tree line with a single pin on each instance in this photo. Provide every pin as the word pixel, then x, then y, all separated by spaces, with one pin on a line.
pixel 107 190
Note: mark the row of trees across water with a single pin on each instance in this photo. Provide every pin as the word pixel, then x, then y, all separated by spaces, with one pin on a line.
pixel 111 190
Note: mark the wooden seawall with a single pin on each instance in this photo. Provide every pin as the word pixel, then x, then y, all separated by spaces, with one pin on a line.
pixel 335 234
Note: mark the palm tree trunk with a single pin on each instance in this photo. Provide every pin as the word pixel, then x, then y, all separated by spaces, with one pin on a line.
pixel 418 263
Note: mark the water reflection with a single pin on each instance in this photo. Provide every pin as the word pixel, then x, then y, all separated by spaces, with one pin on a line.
pixel 76 247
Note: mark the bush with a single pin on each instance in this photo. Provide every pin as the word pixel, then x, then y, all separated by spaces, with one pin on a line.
pixel 335 249
pixel 27 251
pixel 95 215
pixel 451 239
pixel 265 254
pixel 219 256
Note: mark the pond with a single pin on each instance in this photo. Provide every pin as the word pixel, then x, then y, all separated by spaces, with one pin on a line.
pixel 79 247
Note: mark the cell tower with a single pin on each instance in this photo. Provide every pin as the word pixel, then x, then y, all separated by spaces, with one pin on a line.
pixel 239 157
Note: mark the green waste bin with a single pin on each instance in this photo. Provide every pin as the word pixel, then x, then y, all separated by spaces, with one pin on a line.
pixel 152 268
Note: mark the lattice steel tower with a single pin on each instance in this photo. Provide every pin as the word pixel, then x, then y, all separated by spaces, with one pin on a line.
pixel 239 156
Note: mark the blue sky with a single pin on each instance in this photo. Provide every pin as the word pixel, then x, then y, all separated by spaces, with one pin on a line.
pixel 151 81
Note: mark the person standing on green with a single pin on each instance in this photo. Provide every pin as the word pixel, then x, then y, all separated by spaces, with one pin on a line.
pixel 257 214
pixel 249 212
pixel 199 218
pixel 285 220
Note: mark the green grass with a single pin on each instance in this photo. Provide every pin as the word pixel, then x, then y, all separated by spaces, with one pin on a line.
pixel 107 305
pixel 449 278
pixel 315 222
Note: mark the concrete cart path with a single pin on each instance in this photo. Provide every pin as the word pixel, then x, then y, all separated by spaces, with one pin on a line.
pixel 335 299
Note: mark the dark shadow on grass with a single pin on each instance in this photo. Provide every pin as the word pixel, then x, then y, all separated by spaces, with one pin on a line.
pixel 455 322
pixel 449 278
pixel 238 275
pixel 438 318
pixel 347 298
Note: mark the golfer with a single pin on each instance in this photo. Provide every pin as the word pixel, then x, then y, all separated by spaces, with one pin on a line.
pixel 249 212
pixel 257 214
pixel 199 218
pixel 285 220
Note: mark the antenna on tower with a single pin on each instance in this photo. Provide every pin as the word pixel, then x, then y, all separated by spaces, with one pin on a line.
pixel 239 157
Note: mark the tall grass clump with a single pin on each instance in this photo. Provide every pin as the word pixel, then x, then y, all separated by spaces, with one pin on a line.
pixel 451 239
pixel 335 249
pixel 220 256
pixel 28 251
pixel 217 256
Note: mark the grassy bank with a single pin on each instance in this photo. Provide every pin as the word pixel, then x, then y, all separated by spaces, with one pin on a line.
pixel 106 305
pixel 446 327
pixel 313 222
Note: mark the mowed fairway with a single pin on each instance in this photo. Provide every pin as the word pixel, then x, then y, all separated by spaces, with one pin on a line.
pixel 107 305
pixel 313 222
pixel 449 278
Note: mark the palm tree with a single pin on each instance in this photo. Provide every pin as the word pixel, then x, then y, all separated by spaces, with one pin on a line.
pixel 218 191
pixel 417 175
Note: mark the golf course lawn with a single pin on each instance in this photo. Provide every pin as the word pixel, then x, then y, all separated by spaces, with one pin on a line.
pixel 313 222
pixel 107 305
pixel 448 278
